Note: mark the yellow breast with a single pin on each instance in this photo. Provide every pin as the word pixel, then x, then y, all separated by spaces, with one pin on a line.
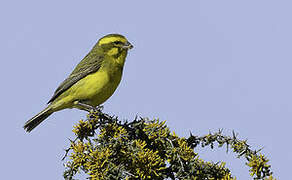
pixel 96 88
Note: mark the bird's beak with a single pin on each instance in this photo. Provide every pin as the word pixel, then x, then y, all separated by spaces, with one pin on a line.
pixel 127 45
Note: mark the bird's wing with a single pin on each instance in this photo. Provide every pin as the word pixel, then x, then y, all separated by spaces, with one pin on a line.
pixel 90 64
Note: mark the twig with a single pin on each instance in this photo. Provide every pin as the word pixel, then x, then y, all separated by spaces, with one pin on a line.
pixel 181 163
pixel 68 149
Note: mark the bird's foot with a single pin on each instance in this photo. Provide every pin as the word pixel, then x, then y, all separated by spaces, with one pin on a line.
pixel 96 109
pixel 99 108
pixel 84 106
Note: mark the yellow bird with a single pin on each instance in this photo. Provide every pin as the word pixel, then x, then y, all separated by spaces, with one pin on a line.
pixel 92 81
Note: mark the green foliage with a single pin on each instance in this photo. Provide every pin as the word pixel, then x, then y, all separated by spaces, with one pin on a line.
pixel 106 148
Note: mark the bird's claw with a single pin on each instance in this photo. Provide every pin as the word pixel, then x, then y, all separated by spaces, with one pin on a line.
pixel 99 108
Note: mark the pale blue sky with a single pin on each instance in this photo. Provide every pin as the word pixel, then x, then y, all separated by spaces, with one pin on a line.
pixel 200 65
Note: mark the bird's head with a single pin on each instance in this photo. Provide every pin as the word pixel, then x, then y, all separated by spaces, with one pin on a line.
pixel 114 44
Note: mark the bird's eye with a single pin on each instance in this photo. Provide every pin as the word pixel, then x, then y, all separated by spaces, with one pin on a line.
pixel 117 42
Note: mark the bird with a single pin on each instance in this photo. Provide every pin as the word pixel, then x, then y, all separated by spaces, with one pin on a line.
pixel 93 80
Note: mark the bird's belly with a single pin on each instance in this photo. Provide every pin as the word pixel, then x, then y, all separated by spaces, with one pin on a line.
pixel 96 88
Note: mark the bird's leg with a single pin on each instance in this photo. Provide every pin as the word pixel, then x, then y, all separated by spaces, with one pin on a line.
pixel 87 107
pixel 83 106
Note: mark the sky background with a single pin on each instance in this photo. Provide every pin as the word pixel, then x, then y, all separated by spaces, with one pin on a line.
pixel 199 65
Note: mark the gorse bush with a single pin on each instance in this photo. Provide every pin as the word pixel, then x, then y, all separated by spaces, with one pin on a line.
pixel 106 148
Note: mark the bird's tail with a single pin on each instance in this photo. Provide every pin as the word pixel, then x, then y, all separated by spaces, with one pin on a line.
pixel 37 119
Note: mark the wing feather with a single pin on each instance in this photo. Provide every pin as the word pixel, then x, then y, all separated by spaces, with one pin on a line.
pixel 90 64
